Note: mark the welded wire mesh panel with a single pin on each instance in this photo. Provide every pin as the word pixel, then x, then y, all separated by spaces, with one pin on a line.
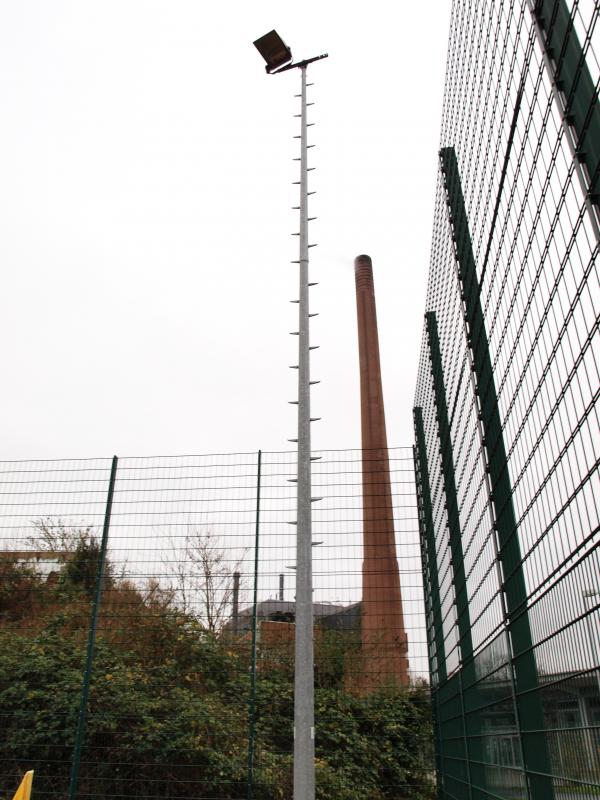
pixel 168 711
pixel 51 520
pixel 371 718
pixel 506 407
pixel 148 631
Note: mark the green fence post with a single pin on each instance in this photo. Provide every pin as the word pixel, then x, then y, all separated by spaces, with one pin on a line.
pixel 87 675
pixel 252 699
pixel 472 748
pixel 528 702
pixel 435 633
pixel 571 77
pixel 447 457
pixel 430 569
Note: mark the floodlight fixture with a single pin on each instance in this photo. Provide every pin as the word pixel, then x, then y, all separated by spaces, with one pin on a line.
pixel 274 50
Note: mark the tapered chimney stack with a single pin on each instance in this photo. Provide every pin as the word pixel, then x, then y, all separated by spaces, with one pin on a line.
pixel 384 640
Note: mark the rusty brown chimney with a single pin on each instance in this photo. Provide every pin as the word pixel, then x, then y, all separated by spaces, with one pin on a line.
pixel 384 640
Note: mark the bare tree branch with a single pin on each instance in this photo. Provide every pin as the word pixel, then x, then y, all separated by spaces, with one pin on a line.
pixel 202 577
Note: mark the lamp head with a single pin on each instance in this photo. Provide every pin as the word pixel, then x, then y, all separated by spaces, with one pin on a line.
pixel 274 50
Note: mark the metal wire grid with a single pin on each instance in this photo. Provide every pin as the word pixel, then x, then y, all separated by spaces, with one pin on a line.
pixel 337 563
pixel 540 293
pixel 41 504
pixel 180 528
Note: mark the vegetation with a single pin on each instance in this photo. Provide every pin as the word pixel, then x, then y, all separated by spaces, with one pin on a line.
pixel 168 711
pixel 201 578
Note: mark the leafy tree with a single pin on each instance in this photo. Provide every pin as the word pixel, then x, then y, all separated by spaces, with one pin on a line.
pixel 77 549
pixel 81 570
pixel 19 586
pixel 55 536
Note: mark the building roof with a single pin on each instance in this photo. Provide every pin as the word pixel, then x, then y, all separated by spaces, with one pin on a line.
pixel 268 607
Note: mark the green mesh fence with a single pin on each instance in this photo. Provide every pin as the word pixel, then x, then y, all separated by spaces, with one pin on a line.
pixel 506 408
pixel 147 643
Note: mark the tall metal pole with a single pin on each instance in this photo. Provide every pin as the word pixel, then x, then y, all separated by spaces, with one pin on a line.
pixel 304 704
pixel 304 722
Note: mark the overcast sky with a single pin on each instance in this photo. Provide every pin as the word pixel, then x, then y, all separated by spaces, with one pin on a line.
pixel 145 202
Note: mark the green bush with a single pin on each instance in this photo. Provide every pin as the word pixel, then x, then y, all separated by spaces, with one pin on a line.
pixel 168 709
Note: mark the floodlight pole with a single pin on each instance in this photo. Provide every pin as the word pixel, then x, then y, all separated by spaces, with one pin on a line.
pixel 304 685
pixel 304 706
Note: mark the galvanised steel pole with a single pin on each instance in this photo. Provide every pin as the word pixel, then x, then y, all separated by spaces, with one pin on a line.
pixel 304 703
pixel 304 712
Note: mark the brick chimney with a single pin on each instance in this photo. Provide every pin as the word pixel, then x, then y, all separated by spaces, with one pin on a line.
pixel 384 640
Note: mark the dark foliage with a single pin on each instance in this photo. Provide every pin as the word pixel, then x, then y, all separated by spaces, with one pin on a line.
pixel 168 710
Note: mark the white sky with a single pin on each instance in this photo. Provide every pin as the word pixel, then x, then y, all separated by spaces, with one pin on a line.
pixel 145 207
